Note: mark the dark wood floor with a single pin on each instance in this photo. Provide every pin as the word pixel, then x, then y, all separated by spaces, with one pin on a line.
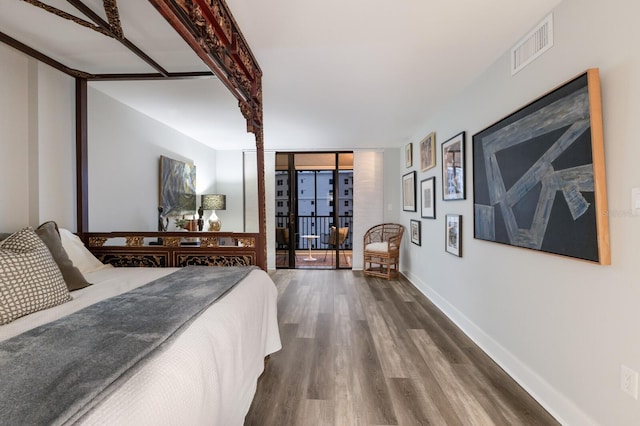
pixel 366 351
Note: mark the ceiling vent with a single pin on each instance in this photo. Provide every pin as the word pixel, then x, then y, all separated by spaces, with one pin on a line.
pixel 534 44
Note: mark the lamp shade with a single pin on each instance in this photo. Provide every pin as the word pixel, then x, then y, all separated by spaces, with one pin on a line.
pixel 214 202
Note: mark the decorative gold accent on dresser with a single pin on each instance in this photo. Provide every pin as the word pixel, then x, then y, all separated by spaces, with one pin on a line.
pixel 214 260
pixel 134 241
pixel 97 241
pixel 209 242
pixel 246 242
pixel 134 260
pixel 171 241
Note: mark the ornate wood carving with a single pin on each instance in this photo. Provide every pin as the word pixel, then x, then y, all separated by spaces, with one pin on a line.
pixel 172 253
pixel 247 242
pixel 134 241
pixel 97 241
pixel 134 260
pixel 209 242
pixel 211 31
pixel 112 29
pixel 214 260
pixel 171 241
pixel 110 7
pixel 113 16
pixel 70 17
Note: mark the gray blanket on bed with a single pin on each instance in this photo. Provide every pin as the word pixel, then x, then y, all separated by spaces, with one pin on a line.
pixel 56 373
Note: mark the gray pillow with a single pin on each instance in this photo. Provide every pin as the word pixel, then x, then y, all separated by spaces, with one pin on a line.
pixel 30 280
pixel 49 234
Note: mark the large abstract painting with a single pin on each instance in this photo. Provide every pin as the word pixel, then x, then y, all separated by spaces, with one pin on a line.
pixel 539 179
pixel 177 187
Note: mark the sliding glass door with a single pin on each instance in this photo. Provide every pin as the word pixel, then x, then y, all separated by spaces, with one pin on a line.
pixel 314 210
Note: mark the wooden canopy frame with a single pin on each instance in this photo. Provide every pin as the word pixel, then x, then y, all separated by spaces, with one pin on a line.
pixel 211 31
pixel 213 34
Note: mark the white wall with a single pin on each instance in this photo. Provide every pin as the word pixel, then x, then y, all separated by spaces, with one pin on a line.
pixel 56 147
pixel 561 327
pixel 14 170
pixel 37 155
pixel 250 190
pixel 123 155
pixel 270 205
pixel 392 200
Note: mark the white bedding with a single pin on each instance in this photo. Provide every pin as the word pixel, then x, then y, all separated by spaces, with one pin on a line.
pixel 207 376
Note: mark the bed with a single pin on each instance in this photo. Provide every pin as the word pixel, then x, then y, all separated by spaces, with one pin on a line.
pixel 206 375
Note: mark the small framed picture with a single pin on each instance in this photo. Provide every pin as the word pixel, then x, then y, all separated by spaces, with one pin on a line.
pixel 453 233
pixel 428 152
pixel 453 174
pixel 408 155
pixel 428 198
pixel 415 231
pixel 409 192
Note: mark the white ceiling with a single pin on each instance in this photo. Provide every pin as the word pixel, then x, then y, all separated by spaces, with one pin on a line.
pixel 338 74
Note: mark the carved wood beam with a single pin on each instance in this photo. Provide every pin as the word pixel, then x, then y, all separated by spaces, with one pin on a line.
pixel 111 10
pixel 209 28
pixel 68 16
pixel 10 41
pixel 113 16
pixel 112 29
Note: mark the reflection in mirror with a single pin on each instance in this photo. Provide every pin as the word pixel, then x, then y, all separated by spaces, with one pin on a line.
pixel 131 124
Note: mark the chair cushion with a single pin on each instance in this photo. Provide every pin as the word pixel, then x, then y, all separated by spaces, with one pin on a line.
pixel 381 246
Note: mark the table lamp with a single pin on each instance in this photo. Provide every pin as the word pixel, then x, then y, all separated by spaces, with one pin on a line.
pixel 214 202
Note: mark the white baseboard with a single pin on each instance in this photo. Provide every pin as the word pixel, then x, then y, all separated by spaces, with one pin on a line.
pixel 557 404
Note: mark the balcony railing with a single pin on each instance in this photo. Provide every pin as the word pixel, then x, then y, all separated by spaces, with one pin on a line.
pixel 315 225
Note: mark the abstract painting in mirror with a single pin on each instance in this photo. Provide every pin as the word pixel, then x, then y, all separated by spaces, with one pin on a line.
pixel 177 187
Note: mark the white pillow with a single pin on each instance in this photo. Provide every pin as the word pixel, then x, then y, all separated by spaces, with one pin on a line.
pixel 79 254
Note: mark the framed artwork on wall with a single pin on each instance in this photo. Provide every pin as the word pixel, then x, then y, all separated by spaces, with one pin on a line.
pixel 453 173
pixel 409 192
pixel 453 233
pixel 539 175
pixel 408 155
pixel 177 187
pixel 428 152
pixel 428 198
pixel 415 231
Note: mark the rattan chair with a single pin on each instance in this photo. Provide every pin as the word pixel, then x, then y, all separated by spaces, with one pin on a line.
pixel 334 239
pixel 382 250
